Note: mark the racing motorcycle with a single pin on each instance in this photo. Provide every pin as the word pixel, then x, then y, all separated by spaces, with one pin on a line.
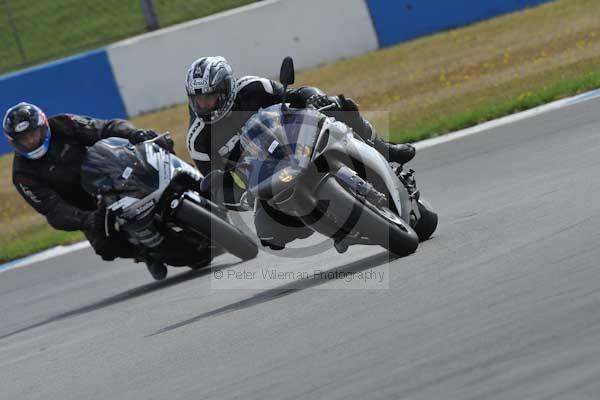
pixel 314 168
pixel 154 199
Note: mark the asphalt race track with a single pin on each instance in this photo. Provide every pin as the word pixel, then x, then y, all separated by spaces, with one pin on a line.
pixel 503 303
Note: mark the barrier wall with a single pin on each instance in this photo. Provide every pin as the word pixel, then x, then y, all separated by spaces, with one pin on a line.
pixel 83 84
pixel 150 69
pixel 401 20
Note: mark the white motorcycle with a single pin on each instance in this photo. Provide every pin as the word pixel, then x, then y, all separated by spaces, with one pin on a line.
pixel 316 169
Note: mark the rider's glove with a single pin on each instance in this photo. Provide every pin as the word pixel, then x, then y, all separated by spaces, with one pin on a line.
pixel 164 141
pixel 347 104
pixel 319 101
pixel 141 135
pixel 94 221
pixel 108 247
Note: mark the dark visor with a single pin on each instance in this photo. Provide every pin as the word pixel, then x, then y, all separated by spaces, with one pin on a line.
pixel 30 140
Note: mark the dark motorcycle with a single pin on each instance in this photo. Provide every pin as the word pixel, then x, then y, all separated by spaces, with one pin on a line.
pixel 316 169
pixel 154 197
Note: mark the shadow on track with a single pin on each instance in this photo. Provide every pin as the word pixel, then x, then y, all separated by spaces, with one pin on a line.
pixel 292 287
pixel 124 296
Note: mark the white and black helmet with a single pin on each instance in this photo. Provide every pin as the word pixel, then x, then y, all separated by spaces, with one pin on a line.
pixel 211 88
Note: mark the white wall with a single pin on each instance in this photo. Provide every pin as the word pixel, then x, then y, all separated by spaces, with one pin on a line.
pixel 150 69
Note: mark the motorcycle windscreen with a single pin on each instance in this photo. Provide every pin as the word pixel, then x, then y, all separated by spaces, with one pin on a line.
pixel 114 167
pixel 277 147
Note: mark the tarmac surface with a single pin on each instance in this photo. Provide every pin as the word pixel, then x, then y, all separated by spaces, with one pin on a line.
pixel 502 303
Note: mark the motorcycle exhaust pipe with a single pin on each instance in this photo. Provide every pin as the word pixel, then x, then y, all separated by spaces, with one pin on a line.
pixel 359 186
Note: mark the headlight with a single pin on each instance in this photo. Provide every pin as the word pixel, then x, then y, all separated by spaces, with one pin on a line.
pixel 287 175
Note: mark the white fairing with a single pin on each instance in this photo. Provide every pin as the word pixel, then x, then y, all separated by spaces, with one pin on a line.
pixel 342 139
pixel 167 164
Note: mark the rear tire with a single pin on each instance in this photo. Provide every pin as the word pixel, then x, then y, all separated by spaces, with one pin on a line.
pixel 220 232
pixel 389 231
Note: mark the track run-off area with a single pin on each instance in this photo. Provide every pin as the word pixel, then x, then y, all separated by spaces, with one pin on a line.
pixel 502 303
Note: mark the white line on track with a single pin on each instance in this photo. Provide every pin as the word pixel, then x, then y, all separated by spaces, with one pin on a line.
pixel 43 255
pixel 487 126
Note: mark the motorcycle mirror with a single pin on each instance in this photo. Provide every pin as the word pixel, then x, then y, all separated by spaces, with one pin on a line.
pixel 286 77
pixel 286 73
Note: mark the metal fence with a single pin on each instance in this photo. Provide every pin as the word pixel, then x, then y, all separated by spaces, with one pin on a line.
pixel 35 31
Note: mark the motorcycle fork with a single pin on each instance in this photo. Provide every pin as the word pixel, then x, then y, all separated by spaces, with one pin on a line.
pixel 409 182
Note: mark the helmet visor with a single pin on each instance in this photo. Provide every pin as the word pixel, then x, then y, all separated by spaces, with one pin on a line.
pixel 30 140
pixel 205 103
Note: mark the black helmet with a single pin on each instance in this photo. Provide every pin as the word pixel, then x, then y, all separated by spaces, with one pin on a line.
pixel 26 127
pixel 211 88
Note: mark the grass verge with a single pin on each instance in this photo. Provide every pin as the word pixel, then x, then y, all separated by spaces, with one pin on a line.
pixel 495 109
pixel 423 88
pixel 35 241
pixel 50 29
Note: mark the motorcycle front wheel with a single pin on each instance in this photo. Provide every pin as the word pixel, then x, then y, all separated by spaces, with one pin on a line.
pixel 428 221
pixel 351 214
pixel 220 232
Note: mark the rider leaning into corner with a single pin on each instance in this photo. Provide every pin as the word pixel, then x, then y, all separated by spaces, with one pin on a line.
pixel 46 171
pixel 219 105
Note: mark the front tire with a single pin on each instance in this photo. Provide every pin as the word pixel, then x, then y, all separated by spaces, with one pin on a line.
pixel 220 232
pixel 428 221
pixel 351 214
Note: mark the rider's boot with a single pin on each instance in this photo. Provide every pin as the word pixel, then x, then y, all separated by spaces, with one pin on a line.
pixel 157 269
pixel 398 153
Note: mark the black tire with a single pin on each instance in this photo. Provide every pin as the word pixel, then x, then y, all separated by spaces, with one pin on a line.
pixel 200 265
pixel 428 222
pixel 397 237
pixel 220 232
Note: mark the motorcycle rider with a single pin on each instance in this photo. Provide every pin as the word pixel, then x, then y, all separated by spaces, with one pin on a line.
pixel 219 105
pixel 46 171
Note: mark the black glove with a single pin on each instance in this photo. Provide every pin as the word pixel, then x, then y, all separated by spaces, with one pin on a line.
pixel 94 221
pixel 348 113
pixel 141 135
pixel 347 104
pixel 319 101
pixel 166 143
pixel 107 247
pixel 111 247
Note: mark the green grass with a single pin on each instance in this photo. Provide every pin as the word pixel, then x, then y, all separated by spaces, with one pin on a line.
pixel 51 29
pixel 35 241
pixel 493 109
